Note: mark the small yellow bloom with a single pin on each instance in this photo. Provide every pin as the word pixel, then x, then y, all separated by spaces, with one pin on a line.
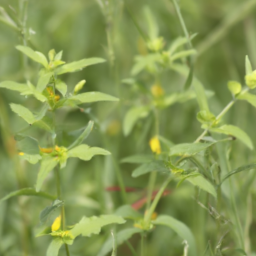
pixel 57 97
pixel 57 148
pixel 153 216
pixel 56 224
pixel 21 153
pixel 46 150
pixel 157 90
pixel 155 145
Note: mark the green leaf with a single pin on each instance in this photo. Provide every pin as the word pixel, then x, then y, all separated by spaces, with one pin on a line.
pixel 132 117
pixel 43 81
pixel 83 136
pixel 54 247
pixel 184 177
pixel 151 23
pixel 189 79
pixel 89 97
pixel 182 54
pixel 27 192
pixel 27 144
pixel 127 212
pixel 176 44
pixel 14 86
pixel 77 65
pixel 121 237
pixel 36 56
pixel 93 225
pixel 181 229
pixel 48 163
pixel 251 98
pixel 33 159
pixel 236 132
pixel 240 169
pixel 158 166
pixel 44 214
pixel 84 152
pixel 138 159
pixel 23 112
pixel 234 87
pixel 188 149
pixel 203 184
pixel 61 87
pixel 248 65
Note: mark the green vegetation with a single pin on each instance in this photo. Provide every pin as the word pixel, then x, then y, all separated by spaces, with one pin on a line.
pixel 127 128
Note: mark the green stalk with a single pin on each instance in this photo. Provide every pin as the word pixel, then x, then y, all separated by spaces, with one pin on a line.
pixel 131 248
pixel 142 244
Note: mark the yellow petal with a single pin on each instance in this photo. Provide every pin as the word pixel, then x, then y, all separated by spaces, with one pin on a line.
pixel 155 145
pixel 56 224
pixel 157 90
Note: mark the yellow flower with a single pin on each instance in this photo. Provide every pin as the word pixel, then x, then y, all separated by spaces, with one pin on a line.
pixel 157 90
pixel 21 153
pixel 56 224
pixel 155 145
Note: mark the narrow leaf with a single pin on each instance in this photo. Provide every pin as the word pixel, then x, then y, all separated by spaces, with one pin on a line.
pixel 61 87
pixel 84 152
pixel 93 225
pixel 189 79
pixel 43 81
pixel 54 247
pixel 138 159
pixel 203 184
pixel 23 112
pixel 132 116
pixel 121 237
pixel 236 132
pixel 251 98
pixel 188 149
pixel 89 97
pixel 36 56
pixel 77 65
pixel 182 54
pixel 240 169
pixel 248 65
pixel 158 166
pixel 27 192
pixel 44 214
pixel 48 163
pixel 181 229
pixel 178 42
pixel 83 136
pixel 14 86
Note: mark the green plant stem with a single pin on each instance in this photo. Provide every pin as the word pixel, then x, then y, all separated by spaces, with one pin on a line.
pixel 131 248
pixel 183 25
pixel 221 114
pixel 151 184
pixel 142 244
pixel 157 198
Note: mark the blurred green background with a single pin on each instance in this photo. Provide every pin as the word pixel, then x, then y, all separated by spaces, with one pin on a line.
pixel 95 28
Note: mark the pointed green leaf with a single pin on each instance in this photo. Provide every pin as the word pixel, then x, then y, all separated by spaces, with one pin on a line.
pixel 234 87
pixel 23 112
pixel 48 163
pixel 236 132
pixel 158 166
pixel 89 97
pixel 14 86
pixel 188 149
pixel 176 44
pixel 61 87
pixel 138 159
pixel 44 214
pixel 33 159
pixel 240 169
pixel 84 152
pixel 27 144
pixel 36 56
pixel 54 247
pixel 77 65
pixel 83 136
pixel 93 225
pixel 132 117
pixel 203 184
pixel 121 237
pixel 151 23
pixel 181 229
pixel 182 54
pixel 27 192
pixel 127 212
pixel 43 81
pixel 248 65
pixel 251 98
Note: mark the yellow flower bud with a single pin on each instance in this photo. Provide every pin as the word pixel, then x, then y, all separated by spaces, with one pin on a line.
pixel 46 150
pixel 57 97
pixel 79 86
pixel 155 145
pixel 56 224
pixel 21 153
pixel 157 90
